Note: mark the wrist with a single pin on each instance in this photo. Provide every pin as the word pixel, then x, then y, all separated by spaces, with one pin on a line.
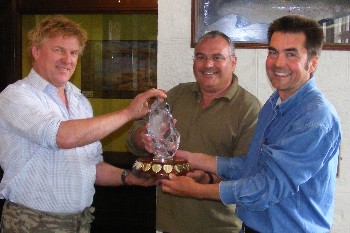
pixel 211 178
pixel 125 172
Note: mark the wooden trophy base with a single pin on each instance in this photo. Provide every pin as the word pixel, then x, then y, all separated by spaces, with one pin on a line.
pixel 148 167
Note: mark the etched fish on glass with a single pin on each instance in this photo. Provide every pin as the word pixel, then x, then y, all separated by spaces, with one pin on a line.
pixel 161 129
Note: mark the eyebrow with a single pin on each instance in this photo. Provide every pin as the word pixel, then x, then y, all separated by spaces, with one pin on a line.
pixel 284 50
pixel 213 54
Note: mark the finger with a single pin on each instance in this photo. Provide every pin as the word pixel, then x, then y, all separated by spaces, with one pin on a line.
pixel 156 93
pixel 172 176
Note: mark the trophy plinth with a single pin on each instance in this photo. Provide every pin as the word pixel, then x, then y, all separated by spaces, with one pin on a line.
pixel 149 167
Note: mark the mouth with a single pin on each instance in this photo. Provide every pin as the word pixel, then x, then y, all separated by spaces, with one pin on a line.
pixel 282 74
pixel 209 72
pixel 63 68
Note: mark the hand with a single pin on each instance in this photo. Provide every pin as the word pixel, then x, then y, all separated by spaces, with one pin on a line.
pixel 192 158
pixel 182 186
pixel 131 179
pixel 147 141
pixel 185 186
pixel 199 176
pixel 198 161
pixel 140 106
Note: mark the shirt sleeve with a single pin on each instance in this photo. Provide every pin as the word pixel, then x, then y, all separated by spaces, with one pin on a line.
pixel 307 148
pixel 25 116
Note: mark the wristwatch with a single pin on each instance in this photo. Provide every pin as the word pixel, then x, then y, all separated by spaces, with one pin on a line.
pixel 123 176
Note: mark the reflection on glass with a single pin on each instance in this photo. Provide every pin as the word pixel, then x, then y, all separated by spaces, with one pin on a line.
pixel 162 130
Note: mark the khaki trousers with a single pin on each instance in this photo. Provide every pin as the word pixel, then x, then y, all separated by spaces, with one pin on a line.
pixel 17 218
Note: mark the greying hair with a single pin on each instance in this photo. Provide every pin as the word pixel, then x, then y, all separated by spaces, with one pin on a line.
pixel 213 34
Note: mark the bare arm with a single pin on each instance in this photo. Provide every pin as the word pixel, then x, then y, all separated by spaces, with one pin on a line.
pixel 199 160
pixel 74 133
pixel 184 186
pixel 108 175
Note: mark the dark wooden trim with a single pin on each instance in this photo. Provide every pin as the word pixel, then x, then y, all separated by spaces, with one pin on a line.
pixel 193 24
pixel 86 6
pixel 8 22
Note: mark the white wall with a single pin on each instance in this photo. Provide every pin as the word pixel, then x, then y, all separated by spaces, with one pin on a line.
pixel 332 76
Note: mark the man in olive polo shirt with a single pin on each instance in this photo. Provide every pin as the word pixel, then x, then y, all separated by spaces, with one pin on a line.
pixel 214 116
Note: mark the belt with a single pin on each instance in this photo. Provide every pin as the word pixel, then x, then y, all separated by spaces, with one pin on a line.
pixel 247 229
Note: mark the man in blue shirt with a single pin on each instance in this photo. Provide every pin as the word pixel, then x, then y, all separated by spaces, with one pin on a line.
pixel 286 182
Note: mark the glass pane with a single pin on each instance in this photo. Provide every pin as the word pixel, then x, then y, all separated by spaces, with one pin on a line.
pixel 119 61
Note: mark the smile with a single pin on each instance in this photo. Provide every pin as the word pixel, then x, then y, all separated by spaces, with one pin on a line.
pixel 63 68
pixel 281 74
pixel 209 72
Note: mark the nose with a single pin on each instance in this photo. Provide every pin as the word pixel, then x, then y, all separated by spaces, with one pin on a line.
pixel 280 61
pixel 208 62
pixel 66 57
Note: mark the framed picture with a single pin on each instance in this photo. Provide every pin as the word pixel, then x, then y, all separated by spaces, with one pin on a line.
pixel 115 69
pixel 246 21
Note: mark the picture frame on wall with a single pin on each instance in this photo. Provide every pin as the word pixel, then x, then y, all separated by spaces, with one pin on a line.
pixel 246 21
pixel 116 69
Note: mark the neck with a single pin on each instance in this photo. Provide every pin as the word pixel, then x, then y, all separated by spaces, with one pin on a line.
pixel 208 97
pixel 62 94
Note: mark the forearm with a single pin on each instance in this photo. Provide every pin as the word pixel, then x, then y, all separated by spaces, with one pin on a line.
pixel 202 191
pixel 81 132
pixel 203 162
pixel 184 186
pixel 75 133
pixel 209 191
pixel 108 175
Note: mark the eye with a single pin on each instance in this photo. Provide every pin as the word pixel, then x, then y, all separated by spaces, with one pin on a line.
pixel 272 52
pixel 199 58
pixel 218 58
pixel 75 53
pixel 59 50
pixel 290 54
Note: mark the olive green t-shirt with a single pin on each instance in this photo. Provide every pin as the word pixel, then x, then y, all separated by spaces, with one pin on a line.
pixel 224 128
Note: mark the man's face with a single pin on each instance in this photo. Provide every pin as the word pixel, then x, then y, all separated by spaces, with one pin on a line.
pixel 214 68
pixel 56 59
pixel 287 64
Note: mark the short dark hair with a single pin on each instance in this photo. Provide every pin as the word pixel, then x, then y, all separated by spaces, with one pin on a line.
pixel 296 24
pixel 213 34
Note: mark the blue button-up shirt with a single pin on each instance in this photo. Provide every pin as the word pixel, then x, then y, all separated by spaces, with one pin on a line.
pixel 287 180
pixel 38 174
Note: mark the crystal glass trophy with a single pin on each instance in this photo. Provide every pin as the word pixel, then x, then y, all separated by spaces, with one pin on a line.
pixel 166 140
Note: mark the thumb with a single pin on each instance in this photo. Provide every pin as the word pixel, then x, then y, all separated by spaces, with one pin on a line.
pixel 172 176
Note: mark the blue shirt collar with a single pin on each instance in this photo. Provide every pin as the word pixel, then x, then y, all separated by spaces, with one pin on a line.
pixel 286 105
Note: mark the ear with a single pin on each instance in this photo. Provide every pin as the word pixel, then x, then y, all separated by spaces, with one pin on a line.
pixel 234 61
pixel 35 52
pixel 313 64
